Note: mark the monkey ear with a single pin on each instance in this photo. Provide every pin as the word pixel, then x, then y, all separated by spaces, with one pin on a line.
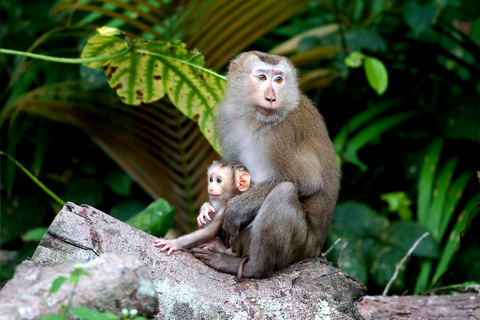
pixel 243 181
pixel 233 66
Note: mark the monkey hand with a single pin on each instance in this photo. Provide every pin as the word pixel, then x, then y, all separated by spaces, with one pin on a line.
pixel 205 211
pixel 170 245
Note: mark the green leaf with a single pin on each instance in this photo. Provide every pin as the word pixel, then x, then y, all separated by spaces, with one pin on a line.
pixel 109 31
pixel 467 214
pixel 79 269
pixel 56 284
pixel 355 59
pixel 372 132
pixel 442 184
pixel 119 182
pixel 89 314
pixel 156 219
pixel 385 259
pixel 85 191
pixel 126 209
pixel 377 75
pixel 423 278
pixel 361 38
pixel 359 219
pixel 398 202
pixel 34 235
pixel 425 184
pixel 153 68
pixel 454 195
pixel 358 121
pixel 353 260
pixel 73 278
pixel 418 19
pixel 404 234
pixel 461 122
pixel 54 317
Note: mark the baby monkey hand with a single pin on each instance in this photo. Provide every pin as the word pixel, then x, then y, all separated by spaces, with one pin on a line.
pixel 170 245
pixel 205 211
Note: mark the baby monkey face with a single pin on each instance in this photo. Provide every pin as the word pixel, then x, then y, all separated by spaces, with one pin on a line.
pixel 220 182
pixel 226 181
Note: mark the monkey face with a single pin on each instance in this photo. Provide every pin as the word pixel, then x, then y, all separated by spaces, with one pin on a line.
pixel 271 83
pixel 268 82
pixel 220 182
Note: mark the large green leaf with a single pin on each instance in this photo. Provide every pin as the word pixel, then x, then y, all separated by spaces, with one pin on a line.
pixel 372 132
pixel 156 219
pixel 353 261
pixel 153 68
pixel 385 259
pixel 425 183
pixel 444 177
pixel 467 215
pixel 359 219
pixel 404 234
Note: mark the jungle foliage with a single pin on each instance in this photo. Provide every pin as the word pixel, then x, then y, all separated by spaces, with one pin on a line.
pixel 409 152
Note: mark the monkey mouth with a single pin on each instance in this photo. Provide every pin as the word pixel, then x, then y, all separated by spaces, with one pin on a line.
pixel 213 195
pixel 266 111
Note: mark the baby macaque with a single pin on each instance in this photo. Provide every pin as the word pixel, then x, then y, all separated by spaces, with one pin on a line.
pixel 225 181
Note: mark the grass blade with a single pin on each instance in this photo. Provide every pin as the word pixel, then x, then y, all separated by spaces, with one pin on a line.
pixel 436 212
pixel 425 183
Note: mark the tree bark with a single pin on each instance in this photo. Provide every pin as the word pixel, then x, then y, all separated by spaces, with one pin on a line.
pixel 464 306
pixel 188 289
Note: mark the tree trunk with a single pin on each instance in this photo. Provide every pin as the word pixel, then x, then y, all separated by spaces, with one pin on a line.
pixel 188 289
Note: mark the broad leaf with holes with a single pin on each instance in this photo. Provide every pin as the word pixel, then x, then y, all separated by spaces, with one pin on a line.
pixel 152 68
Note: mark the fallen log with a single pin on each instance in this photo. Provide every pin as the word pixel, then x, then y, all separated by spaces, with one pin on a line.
pixel 465 306
pixel 188 289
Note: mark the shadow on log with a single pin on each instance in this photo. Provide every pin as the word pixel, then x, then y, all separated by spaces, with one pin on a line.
pixel 188 289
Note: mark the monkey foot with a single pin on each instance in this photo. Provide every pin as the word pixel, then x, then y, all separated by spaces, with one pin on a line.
pixel 214 254
pixel 215 244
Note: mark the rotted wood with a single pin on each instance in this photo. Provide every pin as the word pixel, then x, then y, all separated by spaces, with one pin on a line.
pixel 188 289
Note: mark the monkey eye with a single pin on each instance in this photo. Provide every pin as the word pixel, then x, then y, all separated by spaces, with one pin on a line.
pixel 262 77
pixel 219 180
pixel 211 179
pixel 278 79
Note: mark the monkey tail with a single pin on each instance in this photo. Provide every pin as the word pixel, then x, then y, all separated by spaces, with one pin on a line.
pixel 240 267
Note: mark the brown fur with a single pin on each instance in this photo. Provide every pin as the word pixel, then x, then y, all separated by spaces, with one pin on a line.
pixel 286 215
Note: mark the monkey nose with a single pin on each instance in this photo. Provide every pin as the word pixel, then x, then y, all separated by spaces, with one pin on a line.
pixel 270 95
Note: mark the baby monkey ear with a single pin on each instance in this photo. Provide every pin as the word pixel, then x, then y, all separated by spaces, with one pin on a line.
pixel 242 181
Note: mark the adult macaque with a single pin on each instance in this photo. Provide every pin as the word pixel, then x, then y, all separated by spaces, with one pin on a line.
pixel 225 181
pixel 266 123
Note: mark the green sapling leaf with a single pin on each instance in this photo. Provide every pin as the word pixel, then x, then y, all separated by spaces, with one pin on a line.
pixel 54 317
pixel 89 314
pixel 57 283
pixel 355 59
pixel 377 75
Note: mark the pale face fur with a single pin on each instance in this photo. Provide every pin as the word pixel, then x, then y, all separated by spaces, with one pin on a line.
pixel 225 181
pixel 271 86
pixel 272 93
pixel 221 184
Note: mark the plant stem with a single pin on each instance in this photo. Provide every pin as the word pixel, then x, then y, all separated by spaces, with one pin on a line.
pixel 399 266
pixel 182 61
pixel 64 60
pixel 69 305
pixel 34 179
